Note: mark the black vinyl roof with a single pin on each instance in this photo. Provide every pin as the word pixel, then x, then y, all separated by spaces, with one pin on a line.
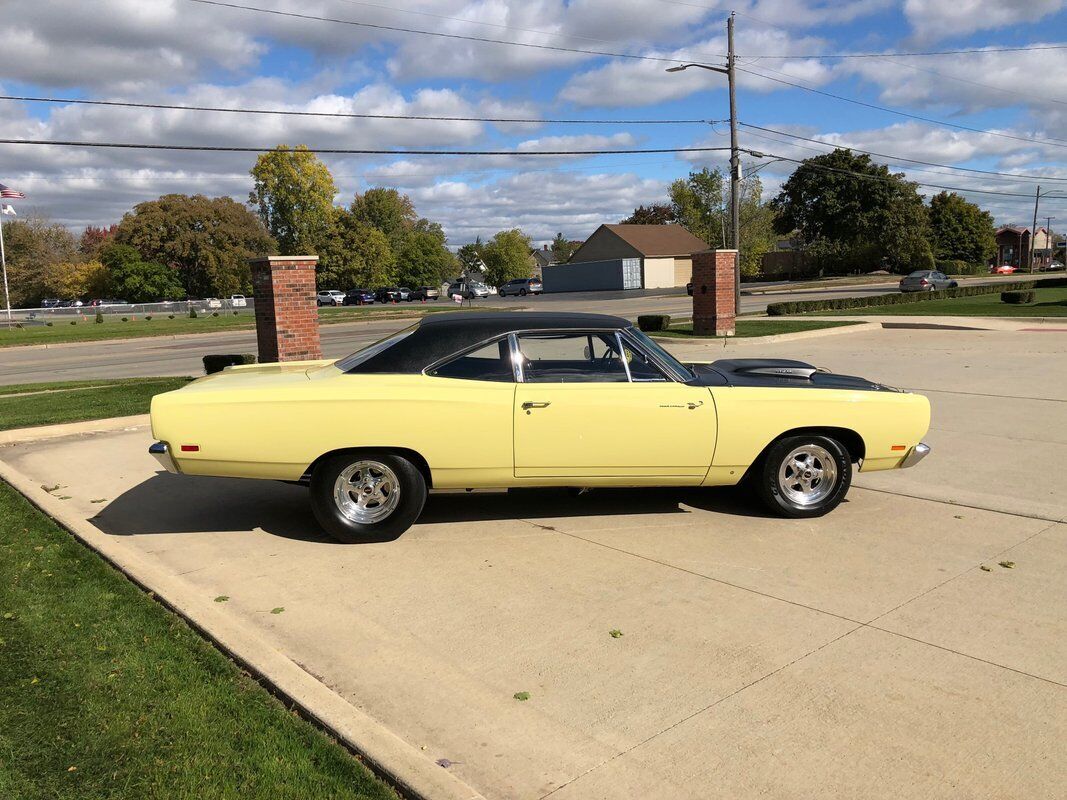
pixel 438 336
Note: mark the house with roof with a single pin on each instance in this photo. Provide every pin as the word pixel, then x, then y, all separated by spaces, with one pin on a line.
pixel 664 252
pixel 1013 247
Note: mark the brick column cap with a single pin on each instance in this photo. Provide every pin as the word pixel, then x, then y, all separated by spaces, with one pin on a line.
pixel 718 250
pixel 281 259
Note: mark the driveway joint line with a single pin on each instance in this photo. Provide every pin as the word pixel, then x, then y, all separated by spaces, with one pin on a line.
pixel 708 707
pixel 960 574
pixel 996 396
pixel 1019 514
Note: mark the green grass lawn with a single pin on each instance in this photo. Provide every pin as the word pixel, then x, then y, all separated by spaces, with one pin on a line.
pixel 750 328
pixel 1048 303
pixel 87 330
pixel 104 694
pixel 30 404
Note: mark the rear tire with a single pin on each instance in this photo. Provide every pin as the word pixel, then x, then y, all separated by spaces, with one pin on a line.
pixel 522 293
pixel 366 496
pixel 804 476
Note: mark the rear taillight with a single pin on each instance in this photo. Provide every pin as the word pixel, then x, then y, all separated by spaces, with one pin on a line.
pixel 924 282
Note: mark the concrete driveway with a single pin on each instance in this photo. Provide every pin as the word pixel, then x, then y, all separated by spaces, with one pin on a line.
pixel 865 654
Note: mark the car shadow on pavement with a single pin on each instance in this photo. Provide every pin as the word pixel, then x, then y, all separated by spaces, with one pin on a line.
pixel 167 503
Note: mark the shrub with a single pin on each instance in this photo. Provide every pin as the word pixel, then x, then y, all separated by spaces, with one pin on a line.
pixel 125 319
pixel 74 322
pixel 235 313
pixel 147 318
pixel 1017 298
pixel 653 322
pixel 49 324
pixel 170 316
pixel 214 313
pixel 217 363
pixel 897 298
pixel 99 318
pixel 192 313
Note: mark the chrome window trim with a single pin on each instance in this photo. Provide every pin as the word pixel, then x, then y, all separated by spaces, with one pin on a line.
pixel 666 369
pixel 622 355
pixel 516 358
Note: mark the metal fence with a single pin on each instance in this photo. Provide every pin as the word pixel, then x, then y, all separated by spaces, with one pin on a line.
pixel 30 316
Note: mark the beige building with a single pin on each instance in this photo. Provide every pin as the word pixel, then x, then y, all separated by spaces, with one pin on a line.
pixel 665 251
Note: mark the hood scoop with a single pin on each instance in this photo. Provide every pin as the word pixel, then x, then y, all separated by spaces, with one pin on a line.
pixel 766 368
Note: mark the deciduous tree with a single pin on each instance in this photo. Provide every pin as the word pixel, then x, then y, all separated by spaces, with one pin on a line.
pixel 32 245
pixel 652 214
pixel 208 241
pixel 960 229
pixel 697 204
pixel 354 254
pixel 855 215
pixel 137 281
pixel 562 249
pixel 293 192
pixel 507 256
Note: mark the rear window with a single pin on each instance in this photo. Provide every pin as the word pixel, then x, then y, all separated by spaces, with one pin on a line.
pixel 921 273
pixel 370 351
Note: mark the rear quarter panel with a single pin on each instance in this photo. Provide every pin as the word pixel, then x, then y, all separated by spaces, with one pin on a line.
pixel 750 418
pixel 277 430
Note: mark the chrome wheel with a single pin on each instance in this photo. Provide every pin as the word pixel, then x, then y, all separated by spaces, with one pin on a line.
pixel 807 475
pixel 366 492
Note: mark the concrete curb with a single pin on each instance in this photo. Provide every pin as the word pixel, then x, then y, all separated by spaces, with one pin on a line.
pixel 720 341
pixel 387 754
pixel 16 435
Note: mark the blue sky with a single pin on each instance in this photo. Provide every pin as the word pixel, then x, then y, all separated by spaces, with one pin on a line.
pixel 182 52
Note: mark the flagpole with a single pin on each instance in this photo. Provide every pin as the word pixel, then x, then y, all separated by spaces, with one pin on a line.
pixel 3 265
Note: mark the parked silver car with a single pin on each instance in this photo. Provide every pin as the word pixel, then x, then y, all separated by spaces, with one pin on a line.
pixel 926 280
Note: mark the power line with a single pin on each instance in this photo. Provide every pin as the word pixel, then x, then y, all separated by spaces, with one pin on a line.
pixel 884 179
pixel 908 160
pixel 964 51
pixel 288 113
pixel 346 151
pixel 439 34
pixel 876 107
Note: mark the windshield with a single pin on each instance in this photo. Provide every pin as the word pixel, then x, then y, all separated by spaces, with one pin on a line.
pixel 670 361
pixel 350 362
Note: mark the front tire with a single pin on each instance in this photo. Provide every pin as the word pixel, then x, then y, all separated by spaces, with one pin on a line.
pixel 366 496
pixel 805 476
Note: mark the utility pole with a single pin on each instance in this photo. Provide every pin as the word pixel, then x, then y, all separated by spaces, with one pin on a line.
pixel 1033 230
pixel 1048 240
pixel 735 153
pixel 735 165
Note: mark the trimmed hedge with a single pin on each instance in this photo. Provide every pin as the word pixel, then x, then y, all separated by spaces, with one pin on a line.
pixel 217 363
pixel 653 322
pixel 1017 298
pixel 897 298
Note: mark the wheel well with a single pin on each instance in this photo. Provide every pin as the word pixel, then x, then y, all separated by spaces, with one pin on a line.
pixel 852 441
pixel 414 457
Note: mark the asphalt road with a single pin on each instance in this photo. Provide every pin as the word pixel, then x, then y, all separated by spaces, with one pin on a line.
pixel 182 355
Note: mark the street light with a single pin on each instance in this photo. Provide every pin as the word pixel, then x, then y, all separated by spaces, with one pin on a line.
pixel 735 154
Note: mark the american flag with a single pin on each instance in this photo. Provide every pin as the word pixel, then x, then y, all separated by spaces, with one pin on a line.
pixel 10 194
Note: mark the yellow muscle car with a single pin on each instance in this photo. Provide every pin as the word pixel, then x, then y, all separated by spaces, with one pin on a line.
pixel 532 399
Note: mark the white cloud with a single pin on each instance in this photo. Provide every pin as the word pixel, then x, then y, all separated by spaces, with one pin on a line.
pixel 632 83
pixel 939 19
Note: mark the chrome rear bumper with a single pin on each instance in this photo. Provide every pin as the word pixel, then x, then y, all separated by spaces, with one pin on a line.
pixel 161 452
pixel 917 454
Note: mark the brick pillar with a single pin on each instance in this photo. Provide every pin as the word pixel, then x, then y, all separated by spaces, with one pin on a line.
pixel 713 292
pixel 287 316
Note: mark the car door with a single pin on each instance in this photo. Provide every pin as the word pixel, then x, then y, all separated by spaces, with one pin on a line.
pixel 588 407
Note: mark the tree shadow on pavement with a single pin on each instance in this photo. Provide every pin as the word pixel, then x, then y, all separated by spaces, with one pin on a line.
pixel 167 503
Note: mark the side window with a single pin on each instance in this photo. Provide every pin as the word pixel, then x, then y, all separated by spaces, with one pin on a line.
pixel 489 363
pixel 571 358
pixel 641 369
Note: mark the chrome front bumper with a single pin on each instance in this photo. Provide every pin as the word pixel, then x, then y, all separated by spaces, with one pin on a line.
pixel 161 452
pixel 917 454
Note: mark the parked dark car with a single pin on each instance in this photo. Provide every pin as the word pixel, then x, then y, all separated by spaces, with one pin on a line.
pixel 926 280
pixel 358 297
pixel 426 293
pixel 387 294
pixel 521 287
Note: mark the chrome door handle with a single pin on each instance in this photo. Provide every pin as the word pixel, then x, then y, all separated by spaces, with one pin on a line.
pixel 529 404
